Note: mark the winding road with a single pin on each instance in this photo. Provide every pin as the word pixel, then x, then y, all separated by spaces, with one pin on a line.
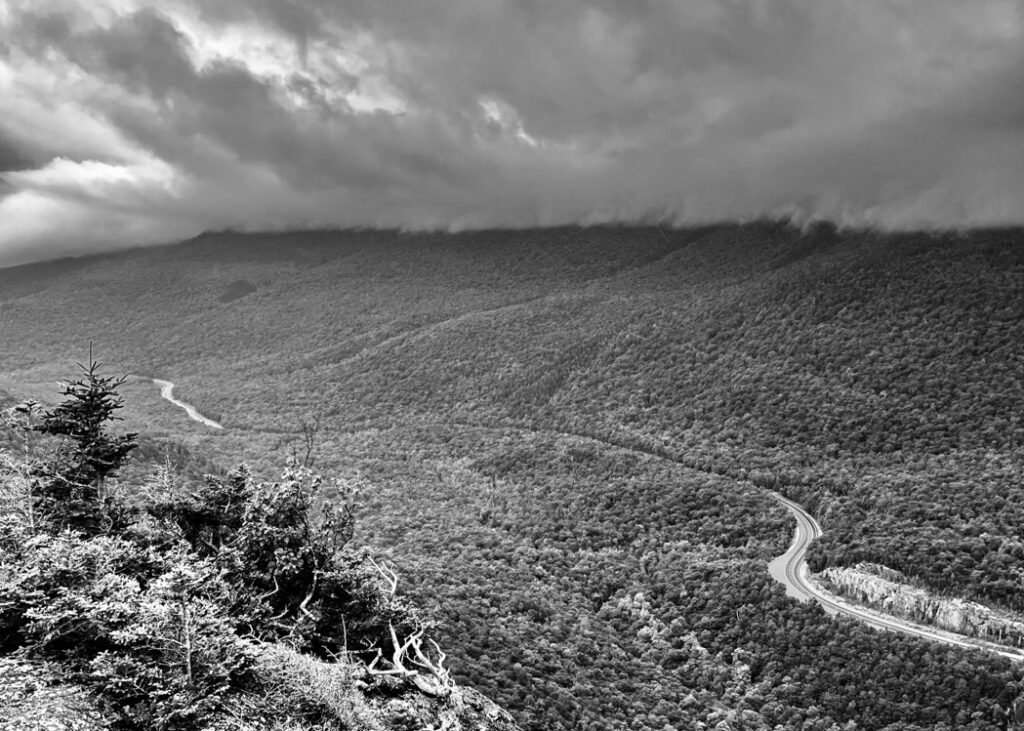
pixel 167 392
pixel 791 570
pixel 786 569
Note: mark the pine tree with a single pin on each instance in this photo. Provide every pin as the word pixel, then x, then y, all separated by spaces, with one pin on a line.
pixel 74 495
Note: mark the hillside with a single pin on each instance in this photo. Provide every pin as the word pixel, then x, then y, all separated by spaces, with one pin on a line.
pixel 566 435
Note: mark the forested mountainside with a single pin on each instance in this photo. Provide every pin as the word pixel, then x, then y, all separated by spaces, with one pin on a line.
pixel 567 436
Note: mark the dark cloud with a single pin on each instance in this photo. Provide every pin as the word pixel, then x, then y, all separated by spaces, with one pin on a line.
pixel 12 158
pixel 144 52
pixel 135 121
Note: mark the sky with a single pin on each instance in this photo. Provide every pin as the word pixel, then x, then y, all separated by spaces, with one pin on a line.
pixel 126 122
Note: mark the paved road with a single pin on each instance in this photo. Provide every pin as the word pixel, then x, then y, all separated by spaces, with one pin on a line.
pixel 786 568
pixel 167 391
pixel 791 569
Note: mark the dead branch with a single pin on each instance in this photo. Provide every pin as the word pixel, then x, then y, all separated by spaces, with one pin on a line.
pixel 270 593
pixel 442 682
pixel 388 575
pixel 398 657
pixel 309 597
pixel 433 678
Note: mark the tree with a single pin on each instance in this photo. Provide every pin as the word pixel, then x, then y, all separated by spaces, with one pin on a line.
pixel 73 494
pixel 311 428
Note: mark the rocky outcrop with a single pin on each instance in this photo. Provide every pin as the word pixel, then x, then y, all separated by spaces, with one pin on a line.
pixel 351 698
pixel 464 709
pixel 33 698
pixel 889 591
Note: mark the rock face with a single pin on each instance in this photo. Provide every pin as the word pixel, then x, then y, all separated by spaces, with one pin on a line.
pixel 889 591
pixel 463 709
pixel 352 698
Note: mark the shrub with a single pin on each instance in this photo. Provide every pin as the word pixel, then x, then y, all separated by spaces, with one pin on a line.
pixel 169 616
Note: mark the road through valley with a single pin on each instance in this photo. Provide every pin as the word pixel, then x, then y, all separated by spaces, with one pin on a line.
pixel 167 392
pixel 791 570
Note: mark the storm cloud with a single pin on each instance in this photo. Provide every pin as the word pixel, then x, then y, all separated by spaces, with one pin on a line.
pixel 127 122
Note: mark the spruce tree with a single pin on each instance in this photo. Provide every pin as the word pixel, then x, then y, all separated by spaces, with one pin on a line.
pixel 73 495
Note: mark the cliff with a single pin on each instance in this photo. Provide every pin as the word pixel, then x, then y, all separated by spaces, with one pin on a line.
pixel 889 591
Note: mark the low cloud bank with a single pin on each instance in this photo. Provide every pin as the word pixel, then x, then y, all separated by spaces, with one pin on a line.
pixel 124 124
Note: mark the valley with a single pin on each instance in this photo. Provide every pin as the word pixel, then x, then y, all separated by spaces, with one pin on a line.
pixel 567 440
pixel 788 568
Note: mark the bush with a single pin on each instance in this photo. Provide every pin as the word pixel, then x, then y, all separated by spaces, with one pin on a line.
pixel 168 614
pixel 285 553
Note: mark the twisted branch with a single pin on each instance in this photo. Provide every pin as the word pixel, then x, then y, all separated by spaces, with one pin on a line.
pixel 433 677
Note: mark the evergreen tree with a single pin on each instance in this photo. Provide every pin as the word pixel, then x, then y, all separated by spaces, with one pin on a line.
pixel 74 493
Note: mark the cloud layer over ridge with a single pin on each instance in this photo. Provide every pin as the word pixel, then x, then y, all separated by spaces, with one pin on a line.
pixel 123 121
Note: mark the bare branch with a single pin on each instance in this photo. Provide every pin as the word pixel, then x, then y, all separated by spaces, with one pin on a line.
pixel 437 679
pixel 442 682
pixel 310 428
pixel 389 576
pixel 309 597
pixel 270 593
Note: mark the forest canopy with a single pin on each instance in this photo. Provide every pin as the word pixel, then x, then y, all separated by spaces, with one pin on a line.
pixel 563 430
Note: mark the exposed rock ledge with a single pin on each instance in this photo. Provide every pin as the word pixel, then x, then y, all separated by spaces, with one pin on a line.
pixel 888 590
pixel 34 697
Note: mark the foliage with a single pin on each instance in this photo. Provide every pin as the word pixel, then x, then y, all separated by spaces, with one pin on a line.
pixel 168 634
pixel 280 543
pixel 598 587
pixel 34 699
pixel 168 621
pixel 72 493
pixel 557 421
